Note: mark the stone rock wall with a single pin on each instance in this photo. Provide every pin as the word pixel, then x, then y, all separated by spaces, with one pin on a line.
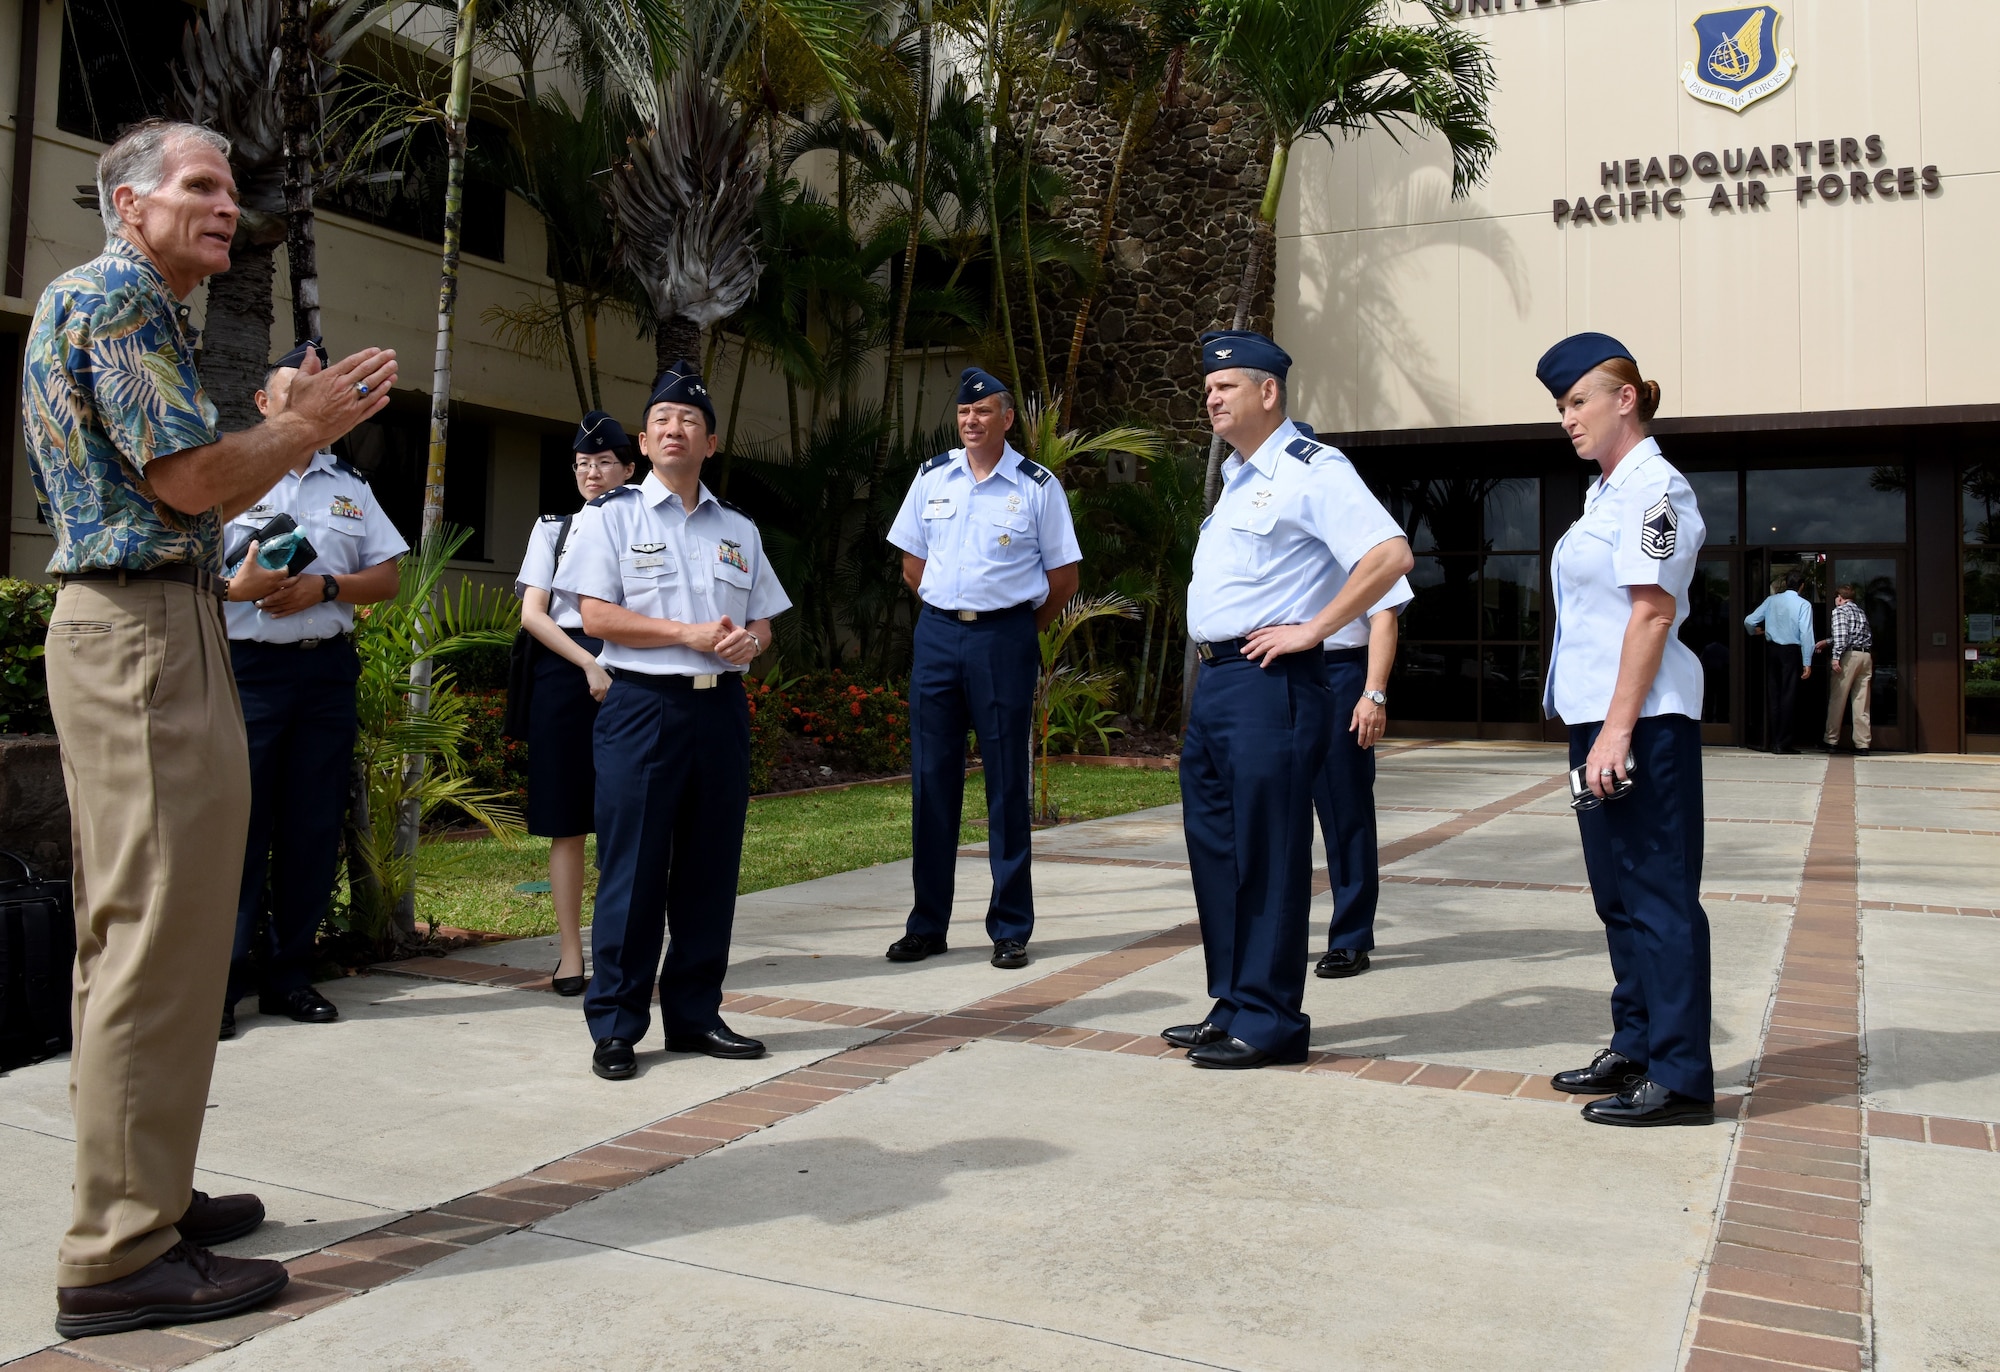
pixel 34 808
pixel 1181 227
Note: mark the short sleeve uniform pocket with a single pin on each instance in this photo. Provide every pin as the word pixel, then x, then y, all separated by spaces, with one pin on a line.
pixel 732 590
pixel 1253 538
pixel 649 581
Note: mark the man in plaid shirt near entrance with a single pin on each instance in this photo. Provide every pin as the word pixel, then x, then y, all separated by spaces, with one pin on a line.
pixel 1853 669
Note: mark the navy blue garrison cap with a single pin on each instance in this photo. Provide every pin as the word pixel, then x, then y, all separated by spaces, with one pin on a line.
pixel 599 433
pixel 1225 348
pixel 1564 364
pixel 974 385
pixel 297 356
pixel 681 384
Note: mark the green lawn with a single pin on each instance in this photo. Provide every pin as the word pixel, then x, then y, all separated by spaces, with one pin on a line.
pixel 789 838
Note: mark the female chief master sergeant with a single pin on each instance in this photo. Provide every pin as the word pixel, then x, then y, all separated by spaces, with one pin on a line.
pixel 1626 685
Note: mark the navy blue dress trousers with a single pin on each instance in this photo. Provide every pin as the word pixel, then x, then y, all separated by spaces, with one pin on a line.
pixel 1344 795
pixel 1256 740
pixel 673 791
pixel 299 719
pixel 1643 853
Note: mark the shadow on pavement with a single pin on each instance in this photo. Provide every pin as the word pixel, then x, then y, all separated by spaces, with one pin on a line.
pixel 1520 1017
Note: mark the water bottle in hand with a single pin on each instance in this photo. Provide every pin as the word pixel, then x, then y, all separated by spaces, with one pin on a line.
pixel 277 554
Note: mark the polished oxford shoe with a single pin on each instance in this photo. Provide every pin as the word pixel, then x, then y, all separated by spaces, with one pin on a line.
pixel 718 1042
pixel 1342 962
pixel 183 1285
pixel 1650 1103
pixel 614 1059
pixel 1230 1053
pixel 1608 1074
pixel 915 948
pixel 1010 952
pixel 210 1220
pixel 228 1022
pixel 1193 1035
pixel 305 1005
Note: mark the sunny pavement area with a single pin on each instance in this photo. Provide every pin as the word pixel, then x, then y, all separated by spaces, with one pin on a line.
pixel 948 1166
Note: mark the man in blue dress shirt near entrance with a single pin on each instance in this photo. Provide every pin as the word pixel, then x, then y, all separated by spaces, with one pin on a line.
pixel 989 550
pixel 1786 621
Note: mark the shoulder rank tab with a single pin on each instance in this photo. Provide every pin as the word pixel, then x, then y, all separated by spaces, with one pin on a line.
pixel 614 493
pixel 940 460
pixel 554 519
pixel 1304 449
pixel 734 508
pixel 342 465
pixel 1035 472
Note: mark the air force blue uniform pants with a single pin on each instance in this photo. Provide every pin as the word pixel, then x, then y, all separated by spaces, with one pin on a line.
pixel 1344 795
pixel 673 790
pixel 299 719
pixel 1643 853
pixel 977 674
pixel 1256 739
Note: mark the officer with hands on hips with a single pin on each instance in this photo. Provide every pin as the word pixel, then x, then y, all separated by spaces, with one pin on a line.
pixel 291 647
pixel 1292 520
pixel 1359 657
pixel 676 584
pixel 989 548
pixel 1630 692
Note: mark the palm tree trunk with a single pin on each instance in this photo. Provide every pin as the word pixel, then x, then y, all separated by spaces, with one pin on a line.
pixel 675 340
pixel 1263 227
pixel 892 378
pixel 1126 140
pixel 236 340
pixel 736 394
pixel 298 106
pixel 792 413
pixel 590 351
pixel 996 111
pixel 1027 171
pixel 569 344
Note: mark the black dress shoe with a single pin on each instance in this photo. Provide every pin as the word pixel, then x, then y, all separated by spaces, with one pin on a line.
pixel 183 1285
pixel 305 1005
pixel 1230 1053
pixel 1193 1035
pixel 1608 1074
pixel 1787 751
pixel 228 1022
pixel 1342 962
pixel 210 1220
pixel 915 948
pixel 567 986
pixel 718 1042
pixel 614 1059
pixel 1010 952
pixel 1650 1103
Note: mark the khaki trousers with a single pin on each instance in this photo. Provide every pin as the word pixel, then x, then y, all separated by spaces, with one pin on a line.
pixel 1851 680
pixel 159 795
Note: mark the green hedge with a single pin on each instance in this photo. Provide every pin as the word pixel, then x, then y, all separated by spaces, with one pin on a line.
pixel 24 625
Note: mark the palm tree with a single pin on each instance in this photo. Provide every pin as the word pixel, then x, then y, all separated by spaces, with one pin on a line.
pixel 1316 67
pixel 1064 684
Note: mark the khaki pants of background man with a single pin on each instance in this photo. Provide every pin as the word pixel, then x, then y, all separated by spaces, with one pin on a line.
pixel 159 796
pixel 1850 679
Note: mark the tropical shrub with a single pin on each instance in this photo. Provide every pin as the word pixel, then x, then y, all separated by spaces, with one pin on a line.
pixel 24 624
pixel 865 727
pixel 496 764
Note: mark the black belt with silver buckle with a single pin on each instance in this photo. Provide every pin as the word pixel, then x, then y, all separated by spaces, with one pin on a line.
pixel 974 616
pixel 662 681
pixel 297 645
pixel 1226 650
pixel 179 571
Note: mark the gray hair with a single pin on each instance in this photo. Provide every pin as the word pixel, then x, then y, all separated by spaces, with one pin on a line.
pixel 1258 376
pixel 139 160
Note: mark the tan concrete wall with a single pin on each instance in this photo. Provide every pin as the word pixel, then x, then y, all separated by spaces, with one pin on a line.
pixel 1408 310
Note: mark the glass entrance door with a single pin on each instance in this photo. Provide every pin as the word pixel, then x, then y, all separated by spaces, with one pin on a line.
pixel 1714 631
pixel 1877 579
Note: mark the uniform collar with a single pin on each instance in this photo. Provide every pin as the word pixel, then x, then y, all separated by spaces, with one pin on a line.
pixel 322 461
pixel 1265 459
pixel 1009 465
pixel 656 493
pixel 1643 452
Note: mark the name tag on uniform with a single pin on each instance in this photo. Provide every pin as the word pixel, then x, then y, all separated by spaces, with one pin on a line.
pixel 259 512
pixel 939 507
pixel 651 560
pixel 343 508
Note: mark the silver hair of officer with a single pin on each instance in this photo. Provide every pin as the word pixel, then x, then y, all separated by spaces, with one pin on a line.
pixel 139 160
pixel 1258 376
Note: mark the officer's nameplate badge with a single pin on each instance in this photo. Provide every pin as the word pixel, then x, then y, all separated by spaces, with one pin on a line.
pixel 343 508
pixel 938 507
pixel 730 554
pixel 1656 538
pixel 649 555
pixel 259 512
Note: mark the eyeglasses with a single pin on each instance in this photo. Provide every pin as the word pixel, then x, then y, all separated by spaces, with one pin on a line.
pixel 608 464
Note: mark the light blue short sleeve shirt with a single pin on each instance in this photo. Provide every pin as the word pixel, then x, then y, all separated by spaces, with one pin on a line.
pixel 336 509
pixel 986 545
pixel 538 569
pixel 1640 527
pixel 1290 524
pixel 635 546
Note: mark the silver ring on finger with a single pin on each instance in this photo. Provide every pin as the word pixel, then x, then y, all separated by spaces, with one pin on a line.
pixel 361 388
pixel 1607 772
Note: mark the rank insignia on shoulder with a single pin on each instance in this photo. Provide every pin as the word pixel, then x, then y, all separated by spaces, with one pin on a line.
pixel 346 468
pixel 343 508
pixel 935 463
pixel 730 554
pixel 614 493
pixel 1304 449
pixel 554 519
pixel 1656 536
pixel 1035 472
pixel 646 549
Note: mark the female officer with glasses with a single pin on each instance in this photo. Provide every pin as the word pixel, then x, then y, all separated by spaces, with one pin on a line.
pixel 569 684
pixel 1631 692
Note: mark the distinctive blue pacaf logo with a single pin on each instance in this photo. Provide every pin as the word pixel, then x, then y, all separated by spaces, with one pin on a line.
pixel 1737 58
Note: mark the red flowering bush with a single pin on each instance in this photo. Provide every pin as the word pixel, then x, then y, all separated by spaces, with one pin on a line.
pixel 497 763
pixel 867 727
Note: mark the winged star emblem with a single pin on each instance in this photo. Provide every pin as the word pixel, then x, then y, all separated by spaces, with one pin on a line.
pixel 1224 352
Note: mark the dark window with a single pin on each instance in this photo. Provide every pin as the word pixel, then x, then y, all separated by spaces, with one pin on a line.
pixel 1716 497
pixel 392 451
pixel 412 201
pixel 558 476
pixel 1981 645
pixel 1809 505
pixel 113 72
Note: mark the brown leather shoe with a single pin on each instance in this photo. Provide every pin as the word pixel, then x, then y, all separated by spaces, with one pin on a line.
pixel 184 1285
pixel 218 1219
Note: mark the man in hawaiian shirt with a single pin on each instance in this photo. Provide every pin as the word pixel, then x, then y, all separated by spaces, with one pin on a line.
pixel 135 479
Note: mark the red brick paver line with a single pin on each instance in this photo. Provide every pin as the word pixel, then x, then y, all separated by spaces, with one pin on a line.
pixel 1954 1133
pixel 1981 911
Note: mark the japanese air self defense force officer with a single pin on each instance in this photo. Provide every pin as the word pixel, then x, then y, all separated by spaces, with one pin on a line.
pixel 1630 692
pixel 677 586
pixel 1295 548
pixel 569 683
pixel 989 548
pixel 292 650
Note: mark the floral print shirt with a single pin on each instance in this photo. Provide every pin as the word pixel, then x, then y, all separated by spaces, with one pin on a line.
pixel 108 383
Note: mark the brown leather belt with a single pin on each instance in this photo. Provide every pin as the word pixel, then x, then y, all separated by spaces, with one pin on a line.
pixel 179 571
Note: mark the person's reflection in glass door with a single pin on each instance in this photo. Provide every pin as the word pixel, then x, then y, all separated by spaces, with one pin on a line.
pixel 1708 631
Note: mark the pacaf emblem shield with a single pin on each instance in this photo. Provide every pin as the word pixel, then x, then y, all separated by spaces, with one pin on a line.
pixel 1657 534
pixel 1737 60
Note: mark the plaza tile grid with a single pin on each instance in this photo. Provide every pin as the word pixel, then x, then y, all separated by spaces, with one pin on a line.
pixel 1785 1283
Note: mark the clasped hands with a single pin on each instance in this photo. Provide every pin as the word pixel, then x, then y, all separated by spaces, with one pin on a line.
pixel 736 646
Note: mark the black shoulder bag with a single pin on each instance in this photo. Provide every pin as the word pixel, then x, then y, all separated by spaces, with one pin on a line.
pixel 521 659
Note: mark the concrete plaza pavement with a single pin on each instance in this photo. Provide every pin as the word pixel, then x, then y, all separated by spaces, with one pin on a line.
pixel 948 1166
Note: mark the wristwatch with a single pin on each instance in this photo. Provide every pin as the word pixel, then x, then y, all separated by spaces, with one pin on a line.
pixel 332 591
pixel 1381 698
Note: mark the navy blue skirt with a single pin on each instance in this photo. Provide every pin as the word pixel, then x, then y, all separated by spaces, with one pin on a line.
pixel 562 780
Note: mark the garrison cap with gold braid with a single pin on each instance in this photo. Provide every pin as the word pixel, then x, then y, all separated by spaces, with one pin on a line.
pixel 1566 363
pixel 975 385
pixel 681 384
pixel 1222 349
pixel 297 356
pixel 599 433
